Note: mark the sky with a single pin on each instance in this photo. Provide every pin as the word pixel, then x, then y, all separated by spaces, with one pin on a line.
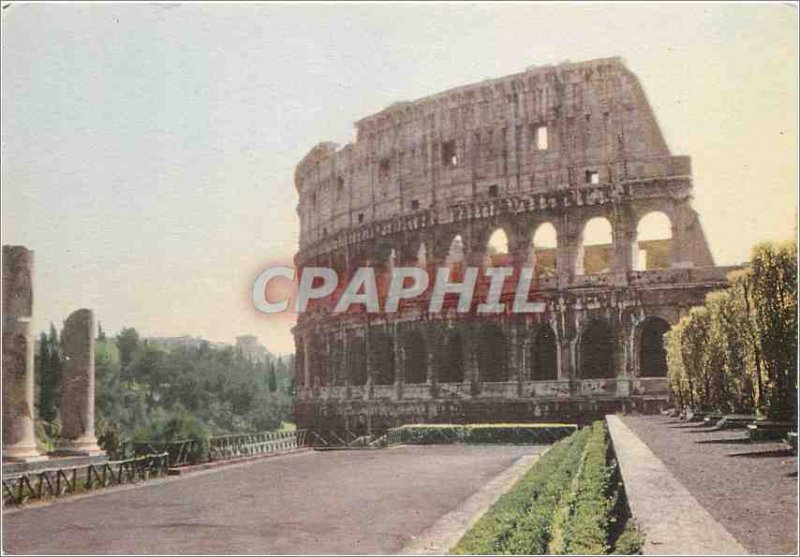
pixel 148 150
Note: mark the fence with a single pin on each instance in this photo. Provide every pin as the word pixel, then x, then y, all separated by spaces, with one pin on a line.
pixel 56 482
pixel 224 447
pixel 233 446
pixel 152 459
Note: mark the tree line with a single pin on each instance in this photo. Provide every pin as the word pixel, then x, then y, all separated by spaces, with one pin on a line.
pixel 737 353
pixel 147 391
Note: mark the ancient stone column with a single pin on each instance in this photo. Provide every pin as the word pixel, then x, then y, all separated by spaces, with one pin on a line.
pixel 19 442
pixel 77 385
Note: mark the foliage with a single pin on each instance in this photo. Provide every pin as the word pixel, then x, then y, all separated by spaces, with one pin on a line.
pixel 774 272
pixel 47 434
pixel 631 541
pixel 520 518
pixel 483 433
pixel 586 529
pixel 521 521
pixel 47 364
pixel 561 505
pixel 153 392
pixel 738 353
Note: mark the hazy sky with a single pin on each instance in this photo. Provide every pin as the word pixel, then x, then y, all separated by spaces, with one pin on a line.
pixel 148 150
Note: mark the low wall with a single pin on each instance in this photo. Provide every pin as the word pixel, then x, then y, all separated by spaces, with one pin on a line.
pixel 375 416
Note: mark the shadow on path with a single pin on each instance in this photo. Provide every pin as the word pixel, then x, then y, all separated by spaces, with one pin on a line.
pixel 765 454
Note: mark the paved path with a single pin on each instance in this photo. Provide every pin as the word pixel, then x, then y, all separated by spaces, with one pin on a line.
pixel 309 503
pixel 673 521
pixel 749 487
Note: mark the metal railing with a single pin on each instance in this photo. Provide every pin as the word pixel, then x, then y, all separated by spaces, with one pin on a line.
pixel 57 482
pixel 152 459
pixel 225 447
pixel 235 446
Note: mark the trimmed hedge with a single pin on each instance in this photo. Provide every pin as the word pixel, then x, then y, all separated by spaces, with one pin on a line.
pixel 586 530
pixel 569 502
pixel 480 433
pixel 737 353
pixel 519 522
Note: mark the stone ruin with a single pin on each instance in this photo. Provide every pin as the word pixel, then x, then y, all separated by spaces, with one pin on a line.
pixel 77 380
pixel 430 182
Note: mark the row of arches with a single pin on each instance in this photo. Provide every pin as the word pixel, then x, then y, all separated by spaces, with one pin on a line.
pixel 651 249
pixel 651 246
pixel 341 362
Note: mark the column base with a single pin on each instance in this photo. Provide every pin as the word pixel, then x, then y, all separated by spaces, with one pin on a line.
pixel 86 446
pixel 22 453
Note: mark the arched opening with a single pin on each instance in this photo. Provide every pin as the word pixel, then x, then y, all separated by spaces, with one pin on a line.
pixel 451 359
pixel 543 250
pixel 492 354
pixel 357 356
pixel 455 254
pixel 596 351
pixel 543 355
pixel 416 358
pixel 653 242
pixel 497 248
pixel 652 356
pixel 455 259
pixel 422 255
pixel 382 352
pixel 594 255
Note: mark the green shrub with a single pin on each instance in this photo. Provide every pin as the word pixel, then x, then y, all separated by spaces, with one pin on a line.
pixel 520 520
pixel 631 541
pixel 738 352
pixel 565 504
pixel 586 530
pixel 482 433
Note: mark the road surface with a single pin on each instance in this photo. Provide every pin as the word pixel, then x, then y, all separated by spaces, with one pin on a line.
pixel 307 503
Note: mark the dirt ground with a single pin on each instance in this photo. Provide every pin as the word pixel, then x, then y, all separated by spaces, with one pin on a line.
pixel 346 502
pixel 750 488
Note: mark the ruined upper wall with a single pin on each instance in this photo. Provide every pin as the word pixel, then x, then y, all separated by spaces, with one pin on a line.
pixel 546 128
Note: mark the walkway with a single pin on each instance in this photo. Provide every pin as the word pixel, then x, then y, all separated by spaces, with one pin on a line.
pixel 309 503
pixel 748 489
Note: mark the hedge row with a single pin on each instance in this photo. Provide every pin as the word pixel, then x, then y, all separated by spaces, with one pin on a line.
pixel 566 504
pixel 587 525
pixel 738 352
pixel 480 433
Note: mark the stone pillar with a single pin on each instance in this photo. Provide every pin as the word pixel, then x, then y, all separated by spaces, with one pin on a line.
pixel 19 442
pixel 77 385
pixel 306 364
pixel 567 252
pixel 624 240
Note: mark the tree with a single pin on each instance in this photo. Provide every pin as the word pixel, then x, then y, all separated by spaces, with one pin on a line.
pixel 128 344
pixel 738 352
pixel 774 273
pixel 272 380
pixel 49 374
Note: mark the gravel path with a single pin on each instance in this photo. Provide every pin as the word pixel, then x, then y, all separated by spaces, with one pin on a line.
pixel 345 502
pixel 751 488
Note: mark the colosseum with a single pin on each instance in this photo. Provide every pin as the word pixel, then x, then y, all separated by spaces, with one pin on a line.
pixel 558 168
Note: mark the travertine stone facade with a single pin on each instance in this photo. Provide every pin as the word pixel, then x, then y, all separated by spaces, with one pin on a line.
pixel 552 146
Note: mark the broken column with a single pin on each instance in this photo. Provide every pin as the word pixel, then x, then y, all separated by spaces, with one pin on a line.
pixel 19 442
pixel 77 385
